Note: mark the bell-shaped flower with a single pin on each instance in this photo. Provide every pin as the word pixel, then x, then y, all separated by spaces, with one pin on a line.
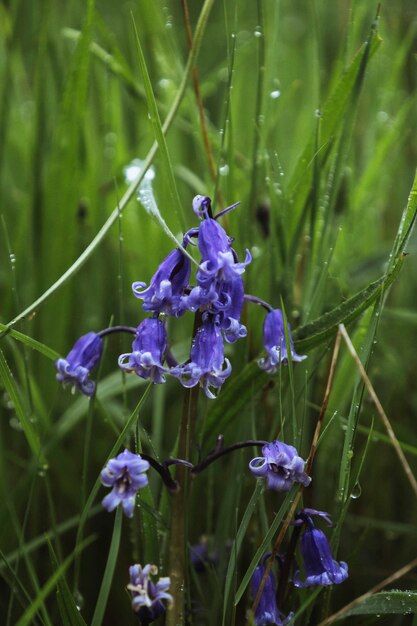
pixel 275 343
pixel 75 368
pixel 148 351
pixel 267 612
pixel 219 260
pixel 207 364
pixel 319 564
pixel 126 474
pixel 147 595
pixel 229 315
pixel 165 291
pixel 280 465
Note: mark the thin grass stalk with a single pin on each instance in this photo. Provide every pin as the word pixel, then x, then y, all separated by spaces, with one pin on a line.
pixel 395 443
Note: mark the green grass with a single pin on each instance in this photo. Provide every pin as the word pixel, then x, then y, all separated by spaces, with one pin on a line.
pixel 310 111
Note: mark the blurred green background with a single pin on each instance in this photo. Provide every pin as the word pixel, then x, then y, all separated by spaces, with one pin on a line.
pixel 73 115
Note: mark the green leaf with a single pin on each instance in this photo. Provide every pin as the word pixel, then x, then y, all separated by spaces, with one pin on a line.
pixel 386 603
pixel 231 568
pixel 12 389
pixel 27 617
pixel 28 341
pixel 318 331
pixel 68 610
pixel 109 571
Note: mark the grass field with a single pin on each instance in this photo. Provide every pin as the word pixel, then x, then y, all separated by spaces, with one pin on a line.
pixel 305 114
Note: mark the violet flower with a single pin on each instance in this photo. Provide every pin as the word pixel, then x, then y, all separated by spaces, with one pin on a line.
pixel 148 596
pixel 275 343
pixel 126 474
pixel 267 612
pixel 75 368
pixel 148 351
pixel 319 564
pixel 207 365
pixel 281 466
pixel 166 288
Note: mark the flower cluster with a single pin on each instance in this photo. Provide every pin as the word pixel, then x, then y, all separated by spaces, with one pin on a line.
pixel 217 297
pixel 147 595
pixel 319 566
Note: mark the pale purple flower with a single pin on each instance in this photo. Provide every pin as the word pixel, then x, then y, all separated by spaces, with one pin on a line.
pixel 275 343
pixel 147 595
pixel 319 564
pixel 166 289
pixel 148 351
pixel 207 364
pixel 75 368
pixel 280 465
pixel 126 474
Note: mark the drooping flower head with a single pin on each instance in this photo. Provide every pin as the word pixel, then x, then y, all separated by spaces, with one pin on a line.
pixel 148 350
pixel 147 595
pixel 280 465
pixel 165 291
pixel 267 612
pixel 275 343
pixel 75 368
pixel 207 364
pixel 319 564
pixel 126 474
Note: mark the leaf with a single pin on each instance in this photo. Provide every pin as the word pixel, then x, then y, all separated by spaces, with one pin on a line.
pixel 109 571
pixel 28 341
pixel 12 389
pixel 68 610
pixel 315 333
pixel 386 603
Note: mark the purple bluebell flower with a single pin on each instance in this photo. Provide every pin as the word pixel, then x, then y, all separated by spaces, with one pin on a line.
pixel 281 466
pixel 275 343
pixel 267 612
pixel 165 291
pixel 75 368
pixel 126 474
pixel 207 365
pixel 148 596
pixel 219 261
pixel 148 351
pixel 229 316
pixel 319 564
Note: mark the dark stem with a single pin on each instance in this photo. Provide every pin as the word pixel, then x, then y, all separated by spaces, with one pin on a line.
pixel 220 451
pixel 286 566
pixel 117 329
pixel 259 302
pixel 163 471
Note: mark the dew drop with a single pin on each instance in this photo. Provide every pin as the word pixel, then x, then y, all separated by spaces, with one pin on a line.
pixel 15 424
pixel 224 170
pixel 79 600
pixel 356 491
pixel 275 94
pixel 258 32
pixel 12 258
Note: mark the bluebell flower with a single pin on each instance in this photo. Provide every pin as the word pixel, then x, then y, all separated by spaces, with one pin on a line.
pixel 148 596
pixel 207 364
pixel 219 261
pixel 275 343
pixel 319 564
pixel 280 465
pixel 126 474
pixel 267 612
pixel 148 351
pixel 75 368
pixel 229 315
pixel 166 289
